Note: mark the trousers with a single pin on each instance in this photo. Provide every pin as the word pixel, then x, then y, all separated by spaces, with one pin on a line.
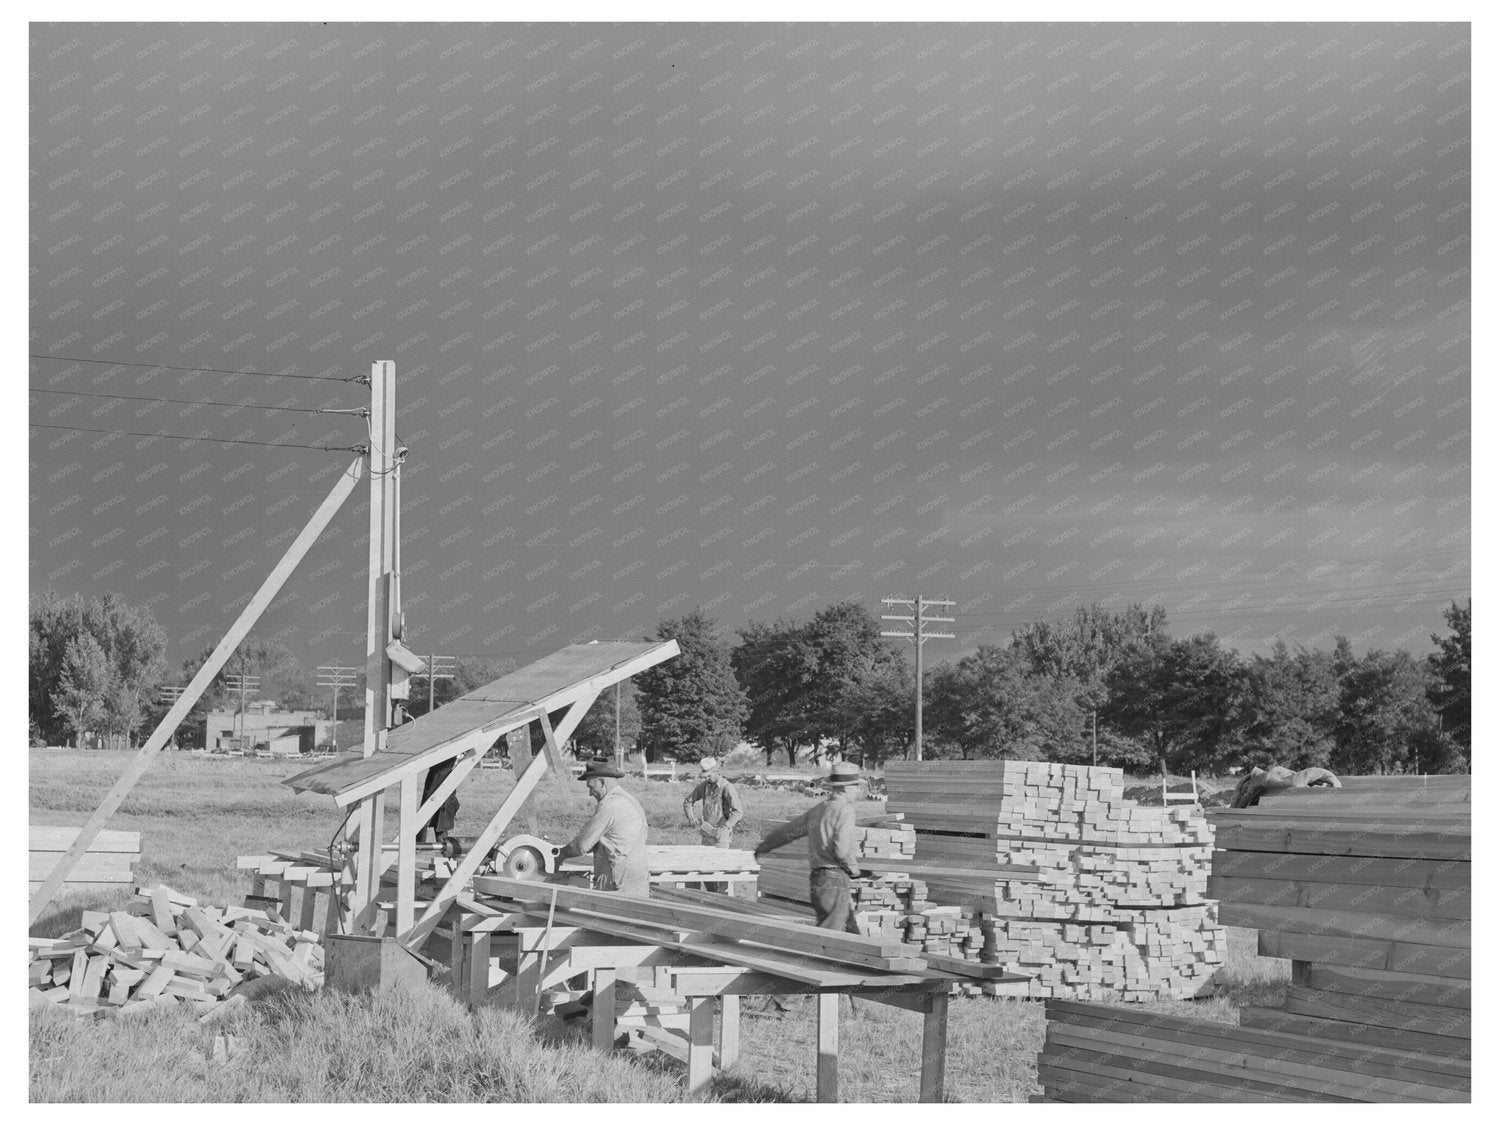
pixel 828 888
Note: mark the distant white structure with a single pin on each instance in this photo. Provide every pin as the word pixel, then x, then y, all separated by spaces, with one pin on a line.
pixel 263 729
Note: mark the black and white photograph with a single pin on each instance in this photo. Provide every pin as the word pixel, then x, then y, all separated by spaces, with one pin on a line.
pixel 492 487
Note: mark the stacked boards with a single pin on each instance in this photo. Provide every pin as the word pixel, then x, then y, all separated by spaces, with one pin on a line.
pixel 1366 890
pixel 1118 906
pixel 1108 1053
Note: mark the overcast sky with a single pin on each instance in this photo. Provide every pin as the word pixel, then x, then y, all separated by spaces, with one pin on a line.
pixel 757 318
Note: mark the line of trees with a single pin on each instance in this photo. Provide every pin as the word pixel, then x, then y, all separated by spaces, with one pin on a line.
pixel 1106 685
pixel 1111 685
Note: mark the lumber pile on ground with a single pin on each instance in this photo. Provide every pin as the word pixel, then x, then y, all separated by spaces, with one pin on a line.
pixel 1366 889
pixel 167 950
pixel 1106 1053
pixel 106 865
pixel 1119 903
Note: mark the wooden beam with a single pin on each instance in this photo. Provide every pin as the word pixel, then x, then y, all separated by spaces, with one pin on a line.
pixel 384 530
pixel 700 1058
pixel 729 1030
pixel 604 1009
pixel 828 1046
pixel 408 825
pixel 461 770
pixel 417 935
pixel 934 1048
pixel 195 688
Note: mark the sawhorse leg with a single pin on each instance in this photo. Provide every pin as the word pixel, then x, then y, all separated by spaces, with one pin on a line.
pixel 700 1043
pixel 729 1030
pixel 604 1009
pixel 828 1046
pixel 934 1048
pixel 477 963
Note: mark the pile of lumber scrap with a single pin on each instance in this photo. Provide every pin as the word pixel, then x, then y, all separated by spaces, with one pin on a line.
pixel 1118 904
pixel 1366 890
pixel 166 949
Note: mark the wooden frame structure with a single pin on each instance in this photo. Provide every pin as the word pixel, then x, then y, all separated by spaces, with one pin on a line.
pixel 567 681
pixel 514 953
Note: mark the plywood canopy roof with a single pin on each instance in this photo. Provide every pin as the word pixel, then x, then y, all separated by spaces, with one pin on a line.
pixel 569 675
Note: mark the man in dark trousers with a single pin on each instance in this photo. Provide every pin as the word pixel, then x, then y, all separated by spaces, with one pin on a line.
pixel 832 848
pixel 713 808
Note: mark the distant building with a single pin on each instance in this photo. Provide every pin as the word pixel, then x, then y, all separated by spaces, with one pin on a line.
pixel 265 730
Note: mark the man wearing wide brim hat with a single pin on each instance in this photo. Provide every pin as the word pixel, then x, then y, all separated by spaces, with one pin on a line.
pixel 832 847
pixel 615 834
pixel 713 808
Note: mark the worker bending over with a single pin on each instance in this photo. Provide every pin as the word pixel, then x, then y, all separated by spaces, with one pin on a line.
pixel 713 807
pixel 615 834
pixel 832 848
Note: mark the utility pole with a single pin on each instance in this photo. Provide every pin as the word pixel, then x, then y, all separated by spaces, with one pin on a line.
pixel 434 674
pixel 619 756
pixel 918 636
pixel 334 677
pixel 243 684
pixel 1094 732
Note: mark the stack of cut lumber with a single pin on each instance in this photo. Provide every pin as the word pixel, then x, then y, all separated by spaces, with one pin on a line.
pixel 166 949
pixel 1106 1053
pixel 883 840
pixel 1366 890
pixel 1119 904
pixel 107 863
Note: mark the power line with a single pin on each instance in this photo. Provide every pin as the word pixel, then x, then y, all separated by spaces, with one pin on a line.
pixel 196 370
pixel 221 441
pixel 209 402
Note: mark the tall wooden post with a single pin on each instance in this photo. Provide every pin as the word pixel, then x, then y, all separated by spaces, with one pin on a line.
pixel 383 613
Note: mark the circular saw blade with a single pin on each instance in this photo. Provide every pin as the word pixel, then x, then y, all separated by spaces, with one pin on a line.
pixel 524 862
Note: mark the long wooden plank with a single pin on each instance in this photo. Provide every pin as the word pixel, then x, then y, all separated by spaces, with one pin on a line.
pixel 42 838
pixel 1402 902
pixel 1398 1014
pixel 1439 874
pixel 786 966
pixel 1416 988
pixel 1293 1036
pixel 720 922
pixel 1207 1086
pixel 1267 1056
pixel 1445 1054
pixel 1238 836
pixel 1282 1071
pixel 1453 933
pixel 1361 953
pixel 197 685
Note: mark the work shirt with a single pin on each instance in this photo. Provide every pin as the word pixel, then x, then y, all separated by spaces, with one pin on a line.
pixel 616 834
pixel 831 839
pixel 720 803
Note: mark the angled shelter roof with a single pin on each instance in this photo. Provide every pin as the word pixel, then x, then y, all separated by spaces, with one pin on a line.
pixel 565 677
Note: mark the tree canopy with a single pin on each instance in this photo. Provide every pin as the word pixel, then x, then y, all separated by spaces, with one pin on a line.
pixel 692 706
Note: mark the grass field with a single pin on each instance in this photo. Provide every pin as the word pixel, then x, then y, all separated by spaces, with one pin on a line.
pixel 197 814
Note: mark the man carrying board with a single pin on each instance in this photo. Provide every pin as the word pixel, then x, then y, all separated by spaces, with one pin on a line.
pixel 832 848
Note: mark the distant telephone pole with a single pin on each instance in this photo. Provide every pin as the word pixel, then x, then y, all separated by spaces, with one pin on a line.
pixel 334 677
pixel 244 685
pixel 918 635
pixel 436 673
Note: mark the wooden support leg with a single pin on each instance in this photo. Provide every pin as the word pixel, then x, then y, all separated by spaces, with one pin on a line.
pixel 331 917
pixel 308 919
pixel 457 979
pixel 934 1048
pixel 525 989
pixel 700 1060
pixel 828 1046
pixel 604 1009
pixel 729 1030
pixel 479 969
pixel 287 887
pixel 406 856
